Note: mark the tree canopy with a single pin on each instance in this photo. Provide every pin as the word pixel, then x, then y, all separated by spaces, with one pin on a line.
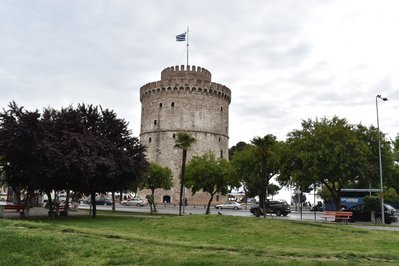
pixel 84 149
pixel 256 164
pixel 210 175
pixel 332 153
pixel 156 177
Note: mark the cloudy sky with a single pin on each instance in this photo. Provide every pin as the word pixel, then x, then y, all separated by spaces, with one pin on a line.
pixel 284 60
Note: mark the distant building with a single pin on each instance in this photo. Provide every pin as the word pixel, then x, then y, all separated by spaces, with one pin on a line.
pixel 183 100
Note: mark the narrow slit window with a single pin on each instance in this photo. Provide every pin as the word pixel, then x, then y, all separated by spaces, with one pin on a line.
pixel 155 122
pixel 160 105
pixel 173 104
pixel 149 140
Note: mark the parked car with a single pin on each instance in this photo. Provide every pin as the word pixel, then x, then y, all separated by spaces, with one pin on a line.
pixel 362 214
pixel 230 205
pixel 277 207
pixel 133 202
pixel 100 201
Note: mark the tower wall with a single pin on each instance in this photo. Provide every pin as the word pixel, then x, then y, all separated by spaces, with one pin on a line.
pixel 183 100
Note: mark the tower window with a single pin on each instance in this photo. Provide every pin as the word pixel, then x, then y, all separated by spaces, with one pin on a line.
pixel 221 153
pixel 173 104
pixel 149 140
pixel 221 109
pixel 219 139
pixel 174 136
pixel 160 105
pixel 155 122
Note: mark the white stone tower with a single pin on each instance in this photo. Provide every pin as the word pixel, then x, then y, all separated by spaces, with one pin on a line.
pixel 183 100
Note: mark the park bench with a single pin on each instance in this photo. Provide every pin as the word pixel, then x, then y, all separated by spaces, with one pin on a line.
pixel 338 215
pixel 11 208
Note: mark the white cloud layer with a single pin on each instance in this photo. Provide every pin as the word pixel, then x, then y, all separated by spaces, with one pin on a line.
pixel 283 60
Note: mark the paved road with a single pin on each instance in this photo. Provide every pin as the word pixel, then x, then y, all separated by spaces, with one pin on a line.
pixel 201 210
pixel 305 216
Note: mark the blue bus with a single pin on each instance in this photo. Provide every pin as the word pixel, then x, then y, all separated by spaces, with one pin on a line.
pixel 354 196
pixel 351 197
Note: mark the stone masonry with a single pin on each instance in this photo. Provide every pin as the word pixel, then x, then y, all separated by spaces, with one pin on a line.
pixel 184 99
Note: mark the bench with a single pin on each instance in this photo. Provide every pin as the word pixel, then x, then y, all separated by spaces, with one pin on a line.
pixel 12 208
pixel 338 215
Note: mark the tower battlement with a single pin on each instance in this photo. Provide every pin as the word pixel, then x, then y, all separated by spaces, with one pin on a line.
pixel 191 72
pixel 177 79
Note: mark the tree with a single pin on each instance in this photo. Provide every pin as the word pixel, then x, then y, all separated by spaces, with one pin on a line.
pixel 20 133
pixel 156 177
pixel 237 148
pixel 372 169
pixel 327 152
pixel 393 181
pixel 256 164
pixel 183 141
pixel 210 175
pixel 273 189
pixel 80 149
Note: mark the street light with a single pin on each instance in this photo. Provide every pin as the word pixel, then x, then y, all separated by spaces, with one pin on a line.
pixel 379 157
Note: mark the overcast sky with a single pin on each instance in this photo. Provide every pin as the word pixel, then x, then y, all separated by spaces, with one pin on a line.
pixel 284 61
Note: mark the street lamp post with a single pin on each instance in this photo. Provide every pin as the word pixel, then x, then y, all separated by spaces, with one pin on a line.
pixel 379 157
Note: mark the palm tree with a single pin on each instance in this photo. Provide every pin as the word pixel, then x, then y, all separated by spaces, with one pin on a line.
pixel 183 141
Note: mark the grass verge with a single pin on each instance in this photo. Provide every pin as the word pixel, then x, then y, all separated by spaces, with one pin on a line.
pixel 191 240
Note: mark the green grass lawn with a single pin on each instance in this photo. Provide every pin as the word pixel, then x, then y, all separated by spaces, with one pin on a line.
pixel 191 240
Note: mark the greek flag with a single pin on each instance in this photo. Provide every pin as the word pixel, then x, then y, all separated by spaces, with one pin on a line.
pixel 181 37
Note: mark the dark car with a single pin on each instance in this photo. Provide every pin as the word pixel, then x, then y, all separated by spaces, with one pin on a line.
pixel 362 214
pixel 100 201
pixel 277 207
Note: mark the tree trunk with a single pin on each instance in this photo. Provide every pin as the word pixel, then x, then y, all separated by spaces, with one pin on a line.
pixel 93 203
pixel 372 216
pixel 67 203
pixel 50 204
pixel 208 208
pixel 183 172
pixel 152 199
pixel 262 201
pixel 113 200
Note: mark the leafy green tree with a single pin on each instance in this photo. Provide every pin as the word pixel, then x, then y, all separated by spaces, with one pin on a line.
pixel 256 164
pixel 273 189
pixel 371 177
pixel 210 175
pixel 236 148
pixel 393 181
pixel 183 141
pixel 156 177
pixel 327 152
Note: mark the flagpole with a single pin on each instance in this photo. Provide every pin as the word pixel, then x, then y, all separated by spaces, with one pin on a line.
pixel 187 48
